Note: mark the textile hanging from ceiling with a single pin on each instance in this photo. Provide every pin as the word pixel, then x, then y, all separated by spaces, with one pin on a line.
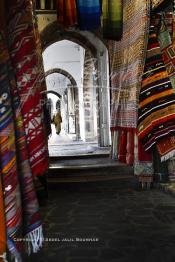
pixel 127 60
pixel 67 12
pixel 112 21
pixel 89 12
pixel 167 45
pixel 20 202
pixel 156 102
pixel 26 59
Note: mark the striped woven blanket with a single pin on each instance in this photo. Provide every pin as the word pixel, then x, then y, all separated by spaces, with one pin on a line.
pixel 156 119
pixel 26 59
pixel 89 12
pixel 127 62
pixel 112 11
pixel 20 202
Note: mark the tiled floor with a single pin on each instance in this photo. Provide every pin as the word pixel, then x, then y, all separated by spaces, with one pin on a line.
pixel 108 222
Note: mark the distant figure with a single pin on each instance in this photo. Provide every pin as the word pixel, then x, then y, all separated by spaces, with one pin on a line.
pixel 57 119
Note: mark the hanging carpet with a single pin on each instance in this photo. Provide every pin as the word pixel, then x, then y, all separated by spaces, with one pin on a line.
pixel 20 202
pixel 157 101
pixel 26 60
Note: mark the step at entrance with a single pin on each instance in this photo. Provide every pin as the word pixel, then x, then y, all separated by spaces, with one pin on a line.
pixel 86 169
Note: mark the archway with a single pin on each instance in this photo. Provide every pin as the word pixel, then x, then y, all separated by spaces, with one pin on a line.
pixel 99 54
pixel 73 86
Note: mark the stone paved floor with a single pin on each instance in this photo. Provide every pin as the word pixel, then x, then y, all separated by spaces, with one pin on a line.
pixel 117 222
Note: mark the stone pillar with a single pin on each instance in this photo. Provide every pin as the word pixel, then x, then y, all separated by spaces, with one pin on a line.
pixel 104 98
pixel 88 97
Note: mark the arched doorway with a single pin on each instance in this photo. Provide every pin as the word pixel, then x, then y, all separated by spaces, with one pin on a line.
pixel 98 54
pixel 64 89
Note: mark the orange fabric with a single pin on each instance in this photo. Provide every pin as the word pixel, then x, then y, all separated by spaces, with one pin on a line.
pixel 67 12
pixel 2 224
pixel 156 96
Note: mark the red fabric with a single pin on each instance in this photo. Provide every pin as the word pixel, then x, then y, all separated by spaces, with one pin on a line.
pixel 26 58
pixel 122 146
pixel 130 148
pixel 142 154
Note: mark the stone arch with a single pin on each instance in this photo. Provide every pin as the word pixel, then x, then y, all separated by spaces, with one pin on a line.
pixel 92 42
pixel 62 72
pixel 74 84
pixel 54 93
pixel 54 32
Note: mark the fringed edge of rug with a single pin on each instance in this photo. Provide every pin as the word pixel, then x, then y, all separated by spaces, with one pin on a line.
pixel 167 156
pixel 35 240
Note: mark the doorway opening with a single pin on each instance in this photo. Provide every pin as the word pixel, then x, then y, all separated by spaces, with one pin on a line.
pixel 80 77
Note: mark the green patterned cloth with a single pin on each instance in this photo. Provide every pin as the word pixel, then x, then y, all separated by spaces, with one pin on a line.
pixel 112 19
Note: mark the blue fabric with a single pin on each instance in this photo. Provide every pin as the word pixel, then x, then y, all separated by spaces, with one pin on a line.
pixel 89 12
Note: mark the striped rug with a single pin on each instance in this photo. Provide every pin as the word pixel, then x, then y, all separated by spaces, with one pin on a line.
pixel 156 118
pixel 26 59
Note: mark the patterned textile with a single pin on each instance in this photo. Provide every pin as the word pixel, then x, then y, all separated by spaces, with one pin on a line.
pixel 89 12
pixel 112 11
pixel 20 202
pixel 157 99
pixel 67 12
pixel 168 50
pixel 166 45
pixel 25 55
pixel 3 241
pixel 127 60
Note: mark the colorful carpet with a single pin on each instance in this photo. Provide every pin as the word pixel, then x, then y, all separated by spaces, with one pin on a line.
pixel 26 60
pixel 20 202
pixel 127 60
pixel 156 101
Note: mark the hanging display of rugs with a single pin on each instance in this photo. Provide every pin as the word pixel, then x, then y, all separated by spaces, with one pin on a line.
pixel 22 134
pixel 156 102
pixel 26 60
pixel 126 60
pixel 20 202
